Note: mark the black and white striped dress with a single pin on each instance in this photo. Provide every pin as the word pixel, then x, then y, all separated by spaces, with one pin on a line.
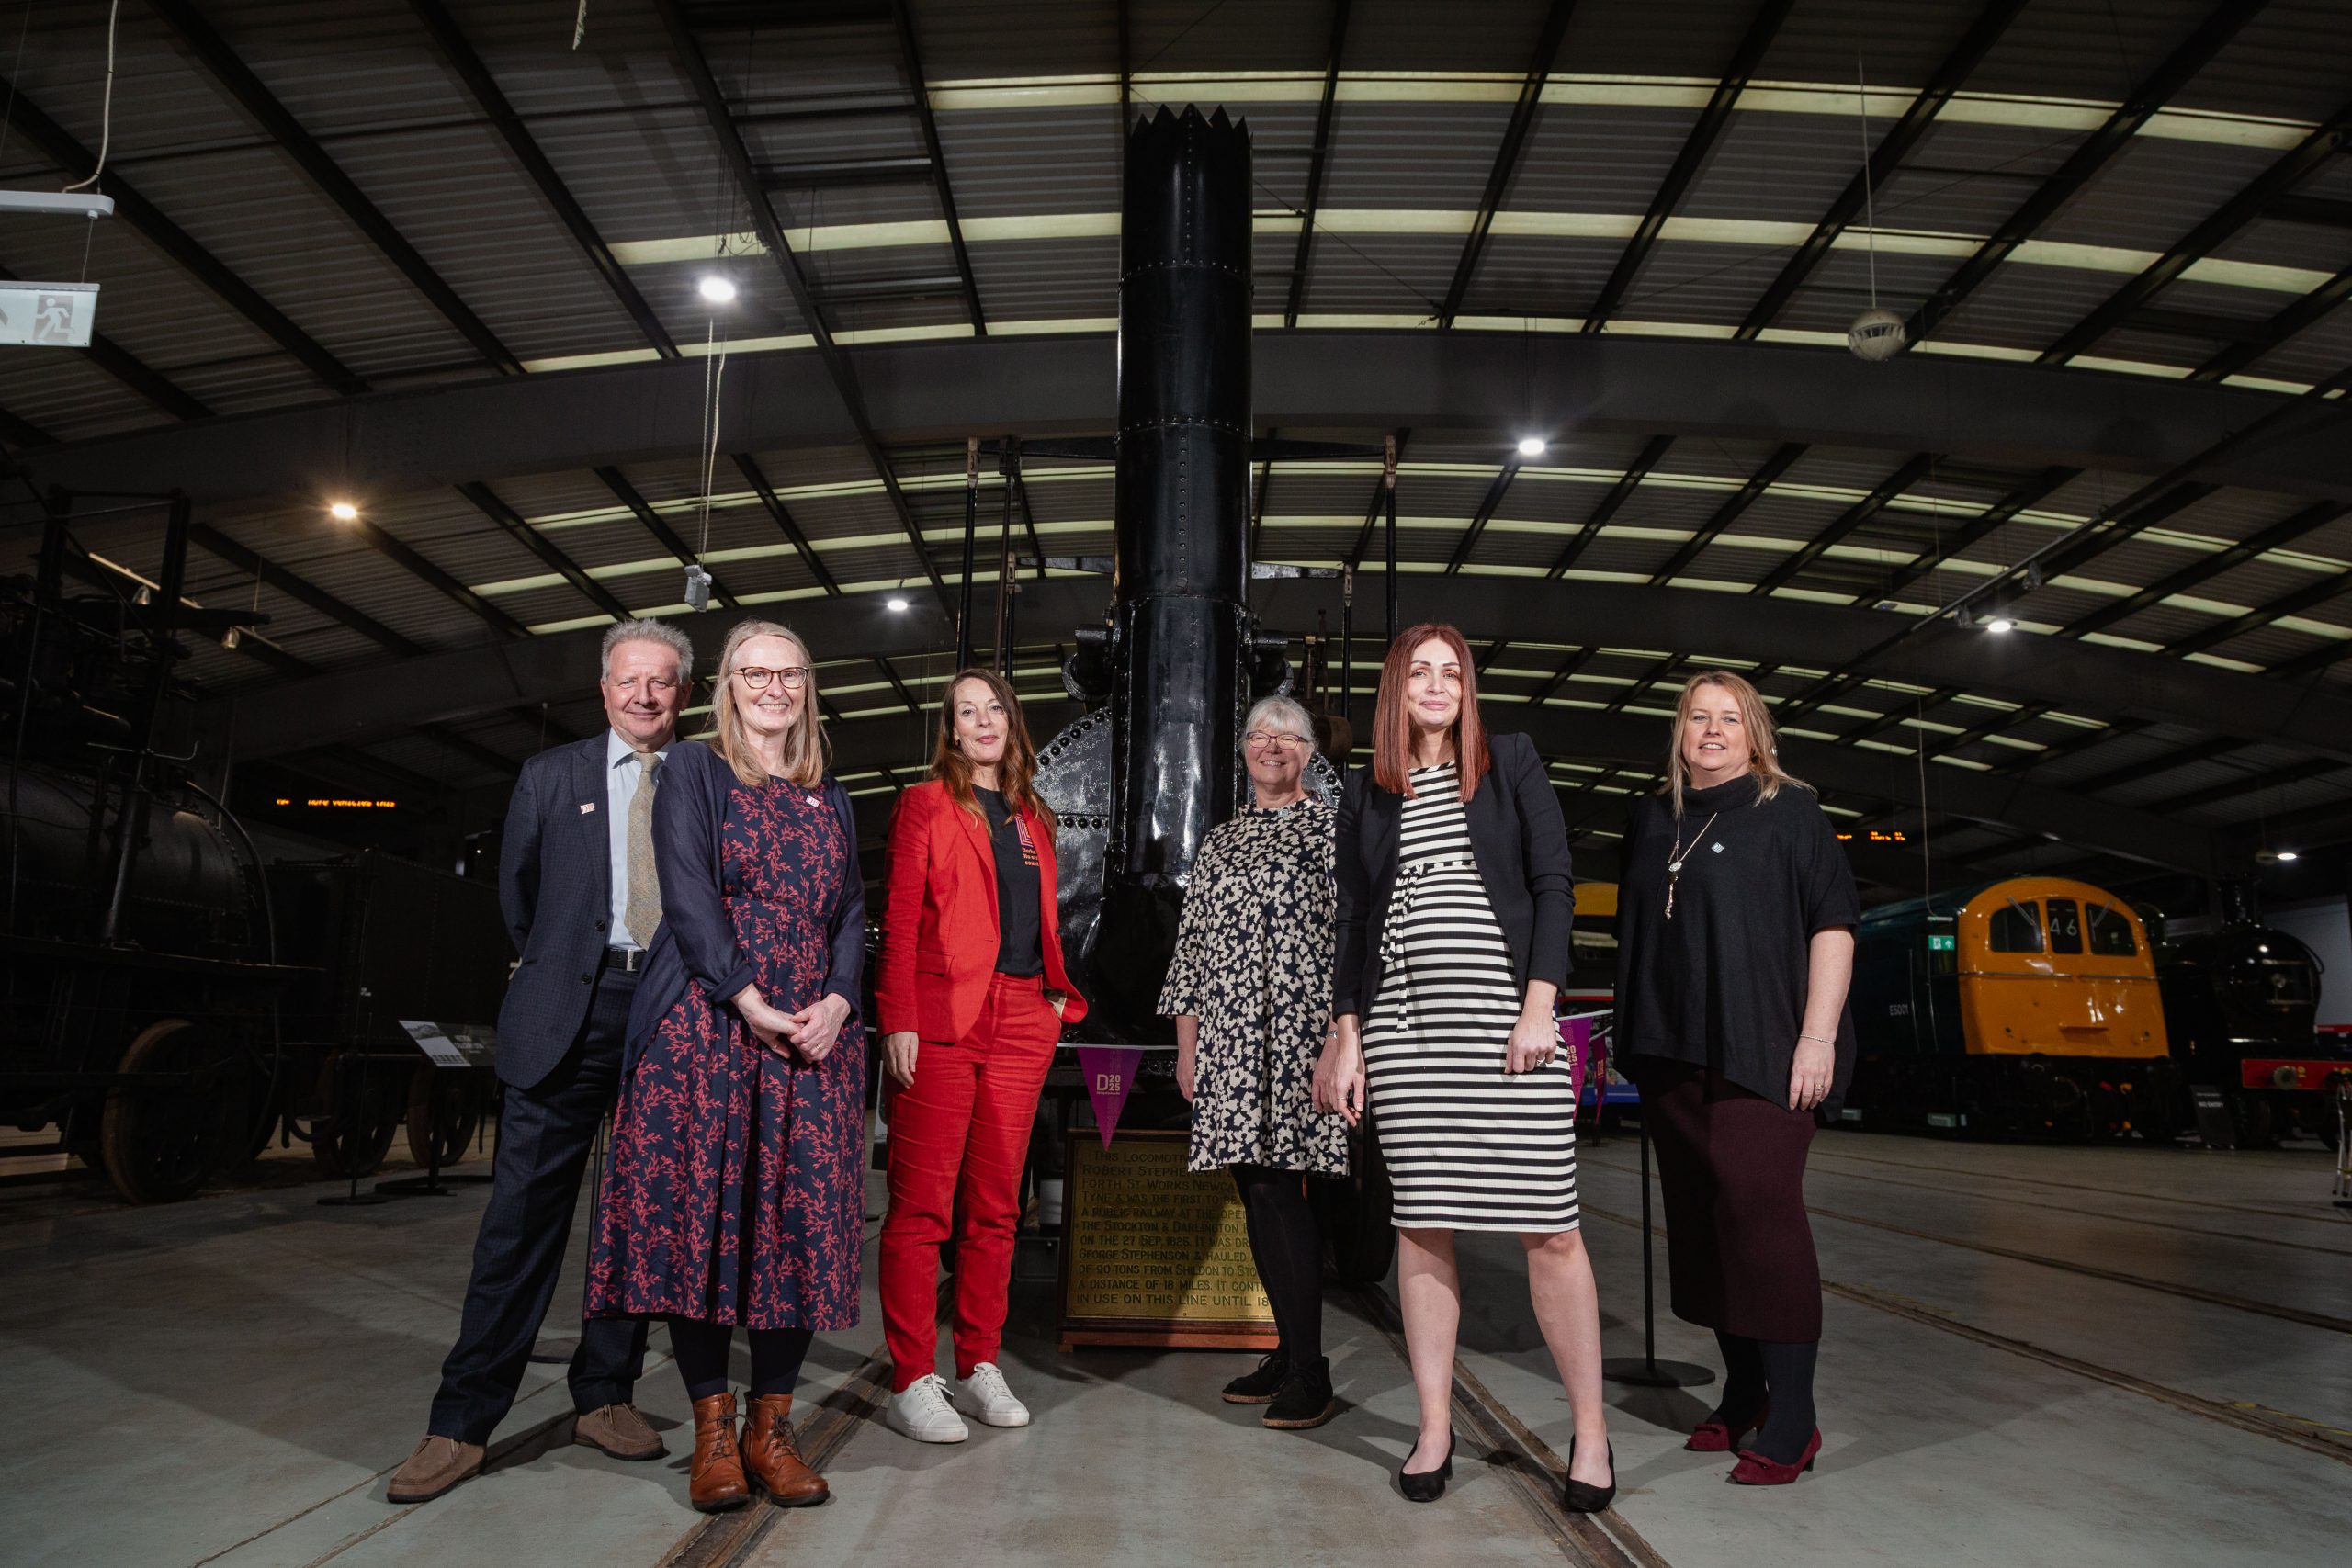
pixel 1468 1145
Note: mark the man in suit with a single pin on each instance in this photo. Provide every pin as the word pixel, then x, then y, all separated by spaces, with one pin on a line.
pixel 576 882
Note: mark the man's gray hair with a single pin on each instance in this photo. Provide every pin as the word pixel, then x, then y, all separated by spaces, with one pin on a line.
pixel 1282 710
pixel 661 632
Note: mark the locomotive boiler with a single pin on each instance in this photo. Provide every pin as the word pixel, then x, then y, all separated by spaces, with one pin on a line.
pixel 1156 761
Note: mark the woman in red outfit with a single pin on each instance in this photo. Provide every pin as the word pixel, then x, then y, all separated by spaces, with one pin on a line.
pixel 972 996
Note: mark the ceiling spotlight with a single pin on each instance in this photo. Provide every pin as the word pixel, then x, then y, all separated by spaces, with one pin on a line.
pixel 344 512
pixel 2000 624
pixel 1530 447
pixel 2286 857
pixel 895 604
pixel 718 290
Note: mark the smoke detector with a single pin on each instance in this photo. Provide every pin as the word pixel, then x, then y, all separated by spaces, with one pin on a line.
pixel 1876 335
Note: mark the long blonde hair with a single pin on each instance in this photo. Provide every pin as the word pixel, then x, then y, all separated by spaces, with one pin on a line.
pixel 1763 737
pixel 805 745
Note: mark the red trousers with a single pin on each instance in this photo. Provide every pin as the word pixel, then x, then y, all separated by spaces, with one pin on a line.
pixel 960 1135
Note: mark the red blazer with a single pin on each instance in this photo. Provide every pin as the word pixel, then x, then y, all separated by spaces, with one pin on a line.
pixel 941 932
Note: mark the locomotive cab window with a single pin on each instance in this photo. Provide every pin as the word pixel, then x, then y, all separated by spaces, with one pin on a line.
pixel 2016 928
pixel 2111 932
pixel 2065 926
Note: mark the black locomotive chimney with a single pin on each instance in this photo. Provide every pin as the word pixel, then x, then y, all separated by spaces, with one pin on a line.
pixel 1180 627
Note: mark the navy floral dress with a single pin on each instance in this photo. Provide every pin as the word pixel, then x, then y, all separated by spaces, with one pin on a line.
pixel 736 1192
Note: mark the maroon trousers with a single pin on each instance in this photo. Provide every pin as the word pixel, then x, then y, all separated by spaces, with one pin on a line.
pixel 1731 1163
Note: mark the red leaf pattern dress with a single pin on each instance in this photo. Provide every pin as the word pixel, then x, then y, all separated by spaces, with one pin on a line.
pixel 736 1192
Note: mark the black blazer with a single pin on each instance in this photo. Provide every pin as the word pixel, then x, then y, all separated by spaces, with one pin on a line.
pixel 555 886
pixel 1519 841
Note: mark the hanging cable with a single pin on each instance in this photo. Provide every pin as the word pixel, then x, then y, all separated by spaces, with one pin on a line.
pixel 1870 199
pixel 106 109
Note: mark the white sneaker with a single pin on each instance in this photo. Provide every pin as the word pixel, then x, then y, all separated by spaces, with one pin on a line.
pixel 921 1411
pixel 991 1400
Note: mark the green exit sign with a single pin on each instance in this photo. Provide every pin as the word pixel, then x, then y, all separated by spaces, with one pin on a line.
pixel 1943 943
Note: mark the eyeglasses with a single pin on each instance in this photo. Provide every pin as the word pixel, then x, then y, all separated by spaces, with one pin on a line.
pixel 794 677
pixel 1282 738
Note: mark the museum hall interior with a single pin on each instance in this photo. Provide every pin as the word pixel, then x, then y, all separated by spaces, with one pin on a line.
pixel 1255 765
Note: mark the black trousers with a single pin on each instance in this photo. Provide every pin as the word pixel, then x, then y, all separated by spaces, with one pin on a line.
pixel 1731 1168
pixel 545 1135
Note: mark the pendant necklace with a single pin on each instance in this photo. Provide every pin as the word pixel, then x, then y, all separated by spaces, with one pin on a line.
pixel 1674 861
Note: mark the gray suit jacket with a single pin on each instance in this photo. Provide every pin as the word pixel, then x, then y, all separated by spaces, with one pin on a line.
pixel 555 883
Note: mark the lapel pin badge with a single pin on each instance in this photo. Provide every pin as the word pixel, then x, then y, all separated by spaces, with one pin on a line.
pixel 1719 848
pixel 586 807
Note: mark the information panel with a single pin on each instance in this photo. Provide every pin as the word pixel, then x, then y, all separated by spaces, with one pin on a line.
pixel 1155 1255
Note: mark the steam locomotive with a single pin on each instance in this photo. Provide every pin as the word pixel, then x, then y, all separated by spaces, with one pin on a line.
pixel 167 1002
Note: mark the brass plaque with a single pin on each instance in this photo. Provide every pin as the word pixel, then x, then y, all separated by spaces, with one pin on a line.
pixel 1153 1253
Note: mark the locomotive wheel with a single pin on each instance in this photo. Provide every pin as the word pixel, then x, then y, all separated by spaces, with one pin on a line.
pixel 363 1105
pixel 1353 1213
pixel 2156 1114
pixel 2257 1128
pixel 161 1145
pixel 442 1112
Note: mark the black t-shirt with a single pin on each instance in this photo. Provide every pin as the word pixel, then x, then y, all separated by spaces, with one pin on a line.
pixel 1723 983
pixel 1020 948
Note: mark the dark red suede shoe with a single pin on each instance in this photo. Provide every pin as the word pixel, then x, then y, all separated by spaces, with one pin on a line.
pixel 1721 1437
pixel 1755 1470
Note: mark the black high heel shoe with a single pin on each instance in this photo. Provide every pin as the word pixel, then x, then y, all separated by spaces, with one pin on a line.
pixel 1427 1486
pixel 1580 1498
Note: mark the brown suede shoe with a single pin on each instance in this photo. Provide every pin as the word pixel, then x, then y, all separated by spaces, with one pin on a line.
pixel 620 1431
pixel 715 1482
pixel 773 1456
pixel 437 1464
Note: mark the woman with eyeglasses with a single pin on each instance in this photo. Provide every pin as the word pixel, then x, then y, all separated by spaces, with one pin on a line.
pixel 1249 988
pixel 1454 904
pixel 972 996
pixel 735 1191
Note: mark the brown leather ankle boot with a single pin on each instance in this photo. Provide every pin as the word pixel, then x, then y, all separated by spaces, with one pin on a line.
pixel 774 1457
pixel 715 1480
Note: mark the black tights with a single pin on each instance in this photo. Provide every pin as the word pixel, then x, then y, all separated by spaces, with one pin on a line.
pixel 1755 1370
pixel 1288 1247
pixel 702 1349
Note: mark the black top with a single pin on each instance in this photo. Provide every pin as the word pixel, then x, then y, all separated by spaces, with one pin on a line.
pixel 1522 848
pixel 1723 983
pixel 1020 948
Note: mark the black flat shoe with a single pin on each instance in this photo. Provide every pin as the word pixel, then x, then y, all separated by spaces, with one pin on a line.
pixel 1580 1498
pixel 1427 1486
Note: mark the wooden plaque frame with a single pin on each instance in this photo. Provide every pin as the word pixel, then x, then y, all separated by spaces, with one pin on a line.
pixel 1161 1331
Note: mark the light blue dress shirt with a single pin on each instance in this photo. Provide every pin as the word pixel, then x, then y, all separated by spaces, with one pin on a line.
pixel 622 775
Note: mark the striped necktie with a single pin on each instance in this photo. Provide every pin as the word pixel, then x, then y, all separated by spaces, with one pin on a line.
pixel 644 909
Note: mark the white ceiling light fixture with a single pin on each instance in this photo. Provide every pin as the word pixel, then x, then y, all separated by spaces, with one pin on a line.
pixel 1532 446
pixel 717 288
pixel 344 512
pixel 895 604
pixel 1999 624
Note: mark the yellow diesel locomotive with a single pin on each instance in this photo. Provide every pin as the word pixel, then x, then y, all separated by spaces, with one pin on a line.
pixel 2028 1007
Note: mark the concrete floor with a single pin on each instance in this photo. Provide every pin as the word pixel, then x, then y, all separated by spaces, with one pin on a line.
pixel 2033 1355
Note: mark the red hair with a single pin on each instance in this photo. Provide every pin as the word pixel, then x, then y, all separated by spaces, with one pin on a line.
pixel 1392 727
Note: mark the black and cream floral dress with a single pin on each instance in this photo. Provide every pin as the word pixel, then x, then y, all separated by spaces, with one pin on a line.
pixel 1253 964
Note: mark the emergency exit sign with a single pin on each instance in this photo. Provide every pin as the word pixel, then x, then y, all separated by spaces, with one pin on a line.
pixel 48 315
pixel 1943 945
